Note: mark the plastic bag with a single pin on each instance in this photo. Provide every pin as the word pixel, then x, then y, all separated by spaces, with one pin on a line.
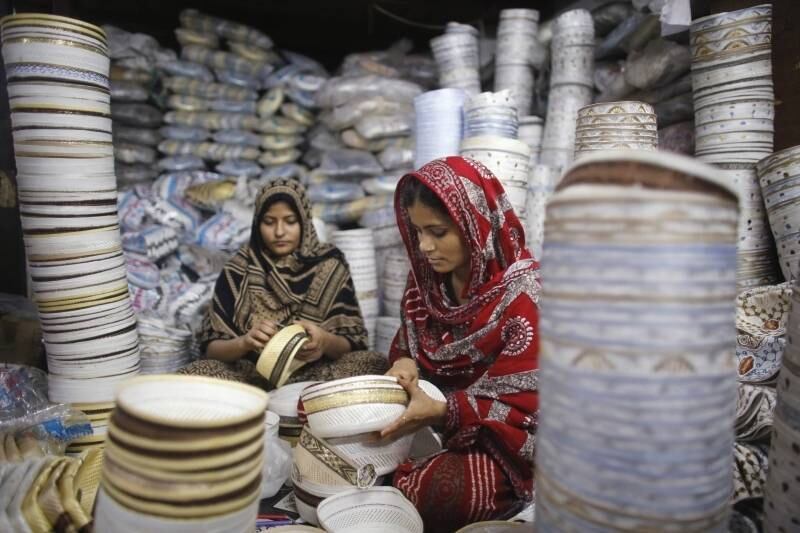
pixel 192 87
pixel 349 114
pixel 144 299
pixel 184 133
pixel 659 94
pixel 128 91
pixel 380 126
pixel 339 91
pixel 188 69
pixel 277 463
pixel 223 231
pixel 212 120
pixel 174 184
pixel 397 155
pixel 242 137
pixel 674 110
pixel 288 171
pixel 240 79
pixel 335 191
pixel 181 162
pixel 132 174
pixel 608 17
pixel 155 242
pixel 131 211
pixel 347 163
pixel 613 43
pixel 352 139
pixel 27 418
pixel 146 136
pixel 134 153
pixel 204 262
pixel 239 167
pixel 175 213
pixel 186 37
pixel 142 115
pixel 659 63
pixel 384 184
pixel 232 106
pixel 322 138
pixel 142 272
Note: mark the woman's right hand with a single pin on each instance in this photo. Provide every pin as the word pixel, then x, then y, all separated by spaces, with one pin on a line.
pixel 258 336
pixel 406 369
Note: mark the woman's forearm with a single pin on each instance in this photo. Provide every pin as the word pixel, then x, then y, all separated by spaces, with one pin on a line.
pixel 336 346
pixel 226 350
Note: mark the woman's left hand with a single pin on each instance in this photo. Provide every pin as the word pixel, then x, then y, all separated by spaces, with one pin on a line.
pixel 422 411
pixel 314 348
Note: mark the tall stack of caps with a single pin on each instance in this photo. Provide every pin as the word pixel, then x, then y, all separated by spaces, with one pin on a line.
pixel 732 85
pixel 457 56
pixel 438 125
pixel 734 110
pixel 778 176
pixel 782 491
pixel 571 82
pixel 491 114
pixel 395 275
pixel 540 186
pixel 57 71
pixel 358 247
pixel 516 37
pixel 338 450
pixel 615 126
pixel 509 161
pixel 530 132
pixel 637 384
pixel 165 348
pixel 183 452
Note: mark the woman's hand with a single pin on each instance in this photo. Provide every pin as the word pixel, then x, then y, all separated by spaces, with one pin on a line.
pixel 258 336
pixel 405 368
pixel 422 411
pixel 317 342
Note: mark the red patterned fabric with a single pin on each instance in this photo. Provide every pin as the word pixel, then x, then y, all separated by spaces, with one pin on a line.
pixel 454 489
pixel 482 354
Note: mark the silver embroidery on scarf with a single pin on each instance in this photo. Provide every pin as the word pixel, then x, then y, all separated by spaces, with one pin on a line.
pixel 499 411
pixel 497 386
pixel 529 448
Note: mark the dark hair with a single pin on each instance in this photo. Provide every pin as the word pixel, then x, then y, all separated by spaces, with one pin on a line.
pixel 415 191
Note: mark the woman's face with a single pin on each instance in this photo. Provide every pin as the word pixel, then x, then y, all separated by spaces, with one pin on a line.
pixel 280 229
pixel 440 240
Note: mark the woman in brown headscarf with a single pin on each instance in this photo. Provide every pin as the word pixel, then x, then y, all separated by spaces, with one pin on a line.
pixel 285 275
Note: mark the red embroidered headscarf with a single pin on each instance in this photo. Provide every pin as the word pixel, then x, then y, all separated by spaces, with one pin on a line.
pixel 477 203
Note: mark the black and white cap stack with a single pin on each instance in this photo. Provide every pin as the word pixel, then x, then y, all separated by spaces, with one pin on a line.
pixel 57 71
pixel 358 247
pixel 456 54
pixel 734 110
pixel 571 83
pixel 438 124
pixel 516 39
pixel 491 114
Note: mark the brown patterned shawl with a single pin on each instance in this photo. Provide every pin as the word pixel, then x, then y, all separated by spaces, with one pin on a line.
pixel 313 283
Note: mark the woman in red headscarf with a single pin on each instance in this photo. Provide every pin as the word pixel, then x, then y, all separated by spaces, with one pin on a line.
pixel 470 326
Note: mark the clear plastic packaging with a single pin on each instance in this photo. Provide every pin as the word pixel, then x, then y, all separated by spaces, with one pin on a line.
pixel 660 63
pixel 349 163
pixel 380 126
pixel 141 115
pixel 339 91
pixel 146 136
pixel 128 91
pixel 134 153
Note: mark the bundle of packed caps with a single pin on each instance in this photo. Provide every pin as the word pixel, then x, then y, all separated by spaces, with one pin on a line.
pixel 365 144
pixel 135 103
